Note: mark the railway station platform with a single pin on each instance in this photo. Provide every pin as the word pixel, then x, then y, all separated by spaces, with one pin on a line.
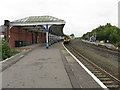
pixel 47 68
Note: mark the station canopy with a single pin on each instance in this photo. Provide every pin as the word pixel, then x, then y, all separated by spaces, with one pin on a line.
pixel 38 23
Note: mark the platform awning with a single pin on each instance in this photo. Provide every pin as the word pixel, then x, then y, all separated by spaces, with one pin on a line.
pixel 44 24
pixel 38 22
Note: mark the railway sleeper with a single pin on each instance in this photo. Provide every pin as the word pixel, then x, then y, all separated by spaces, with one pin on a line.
pixel 113 86
pixel 101 76
pixel 95 71
pixel 98 73
pixel 104 79
pixel 108 82
pixel 92 68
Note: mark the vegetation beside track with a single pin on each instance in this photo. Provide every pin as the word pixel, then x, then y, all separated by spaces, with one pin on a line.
pixel 107 32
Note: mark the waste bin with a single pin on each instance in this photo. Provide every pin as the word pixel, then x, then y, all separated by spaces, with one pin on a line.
pixel 18 43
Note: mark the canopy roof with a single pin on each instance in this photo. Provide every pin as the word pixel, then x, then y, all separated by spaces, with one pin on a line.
pixel 39 19
pixel 38 22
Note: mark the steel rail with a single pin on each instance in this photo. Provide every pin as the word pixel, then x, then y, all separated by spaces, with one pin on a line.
pixel 111 76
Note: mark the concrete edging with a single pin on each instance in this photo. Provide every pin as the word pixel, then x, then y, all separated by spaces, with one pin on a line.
pixel 68 69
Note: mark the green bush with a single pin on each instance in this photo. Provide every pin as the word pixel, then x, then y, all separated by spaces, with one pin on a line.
pixel 118 44
pixel 6 50
pixel 105 32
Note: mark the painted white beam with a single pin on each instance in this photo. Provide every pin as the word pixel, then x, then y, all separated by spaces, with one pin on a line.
pixel 36 23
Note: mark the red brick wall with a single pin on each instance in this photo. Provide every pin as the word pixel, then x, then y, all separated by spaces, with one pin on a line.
pixel 13 36
pixel 41 37
pixel 17 33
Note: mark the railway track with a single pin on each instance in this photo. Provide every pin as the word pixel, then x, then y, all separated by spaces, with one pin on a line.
pixel 106 78
pixel 103 48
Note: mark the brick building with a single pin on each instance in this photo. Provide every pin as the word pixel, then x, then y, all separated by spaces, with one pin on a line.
pixel 22 34
pixel 32 30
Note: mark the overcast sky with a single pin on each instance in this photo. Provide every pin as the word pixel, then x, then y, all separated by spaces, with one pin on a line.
pixel 81 16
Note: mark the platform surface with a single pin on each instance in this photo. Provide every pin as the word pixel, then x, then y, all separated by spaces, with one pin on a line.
pixel 41 68
pixel 47 68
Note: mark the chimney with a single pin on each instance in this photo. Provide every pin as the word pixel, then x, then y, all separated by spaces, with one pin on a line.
pixel 6 22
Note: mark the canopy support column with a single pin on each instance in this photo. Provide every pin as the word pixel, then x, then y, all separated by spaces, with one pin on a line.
pixel 47 36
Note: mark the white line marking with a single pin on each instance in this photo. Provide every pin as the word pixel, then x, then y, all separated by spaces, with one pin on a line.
pixel 21 56
pixel 88 71
pixel 8 58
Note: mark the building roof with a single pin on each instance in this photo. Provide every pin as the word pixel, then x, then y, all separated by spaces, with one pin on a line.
pixel 38 19
pixel 35 22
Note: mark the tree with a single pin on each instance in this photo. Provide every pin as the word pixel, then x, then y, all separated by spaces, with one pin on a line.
pixel 72 35
pixel 105 32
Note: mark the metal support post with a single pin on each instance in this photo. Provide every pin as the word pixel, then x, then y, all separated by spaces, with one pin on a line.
pixel 47 35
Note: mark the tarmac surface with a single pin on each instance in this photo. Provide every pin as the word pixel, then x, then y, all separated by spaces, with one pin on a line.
pixel 41 68
pixel 47 68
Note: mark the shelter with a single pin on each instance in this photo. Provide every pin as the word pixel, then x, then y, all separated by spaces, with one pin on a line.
pixel 33 29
